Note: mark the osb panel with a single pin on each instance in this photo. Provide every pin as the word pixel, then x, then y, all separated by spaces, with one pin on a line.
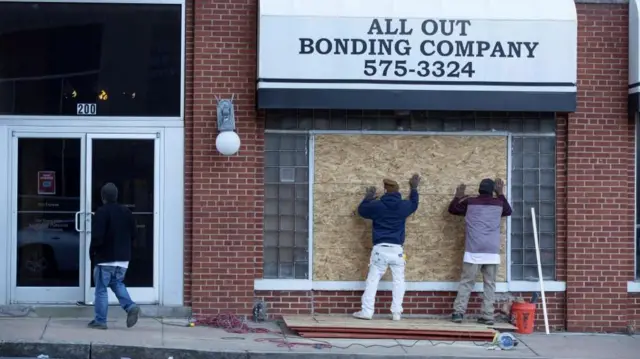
pixel 346 164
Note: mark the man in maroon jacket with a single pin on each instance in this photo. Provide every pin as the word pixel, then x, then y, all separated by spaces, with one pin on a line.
pixel 483 216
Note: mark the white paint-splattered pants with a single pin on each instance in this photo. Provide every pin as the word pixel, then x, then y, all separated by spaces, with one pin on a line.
pixel 385 256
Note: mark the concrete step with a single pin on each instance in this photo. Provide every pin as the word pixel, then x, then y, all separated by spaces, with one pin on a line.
pixel 86 311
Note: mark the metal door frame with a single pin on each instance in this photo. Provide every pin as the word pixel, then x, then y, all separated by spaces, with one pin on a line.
pixel 43 295
pixel 139 295
pixel 71 295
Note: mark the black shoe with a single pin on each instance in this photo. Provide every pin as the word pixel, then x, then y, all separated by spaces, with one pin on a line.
pixel 132 316
pixel 456 317
pixel 95 325
pixel 485 321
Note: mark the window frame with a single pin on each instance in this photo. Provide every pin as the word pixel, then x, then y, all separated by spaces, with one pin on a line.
pixel 126 121
pixel 633 286
pixel 636 238
pixel 525 210
pixel 309 157
pixel 311 131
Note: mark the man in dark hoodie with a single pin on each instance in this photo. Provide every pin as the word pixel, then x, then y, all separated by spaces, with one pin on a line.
pixel 483 215
pixel 112 234
pixel 389 215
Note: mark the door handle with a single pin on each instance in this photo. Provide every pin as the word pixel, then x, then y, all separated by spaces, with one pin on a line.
pixel 77 223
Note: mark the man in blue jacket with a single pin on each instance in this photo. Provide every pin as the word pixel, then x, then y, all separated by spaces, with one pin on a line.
pixel 389 215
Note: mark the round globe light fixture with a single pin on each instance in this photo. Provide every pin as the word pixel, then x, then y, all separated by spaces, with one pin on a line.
pixel 228 143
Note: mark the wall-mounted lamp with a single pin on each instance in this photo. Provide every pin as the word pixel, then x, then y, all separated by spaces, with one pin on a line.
pixel 228 141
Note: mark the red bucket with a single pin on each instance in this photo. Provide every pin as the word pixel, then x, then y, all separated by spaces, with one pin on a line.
pixel 524 315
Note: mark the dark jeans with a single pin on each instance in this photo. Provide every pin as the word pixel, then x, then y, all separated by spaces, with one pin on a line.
pixel 110 277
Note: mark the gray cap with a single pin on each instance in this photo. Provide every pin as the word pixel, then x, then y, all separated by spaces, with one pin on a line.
pixel 109 192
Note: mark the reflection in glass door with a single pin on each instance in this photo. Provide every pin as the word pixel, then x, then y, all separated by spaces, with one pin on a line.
pixel 128 161
pixel 48 188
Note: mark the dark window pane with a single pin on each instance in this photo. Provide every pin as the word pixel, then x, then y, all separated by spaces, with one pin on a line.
pixel 637 253
pixel 124 58
pixel 48 245
pixel 129 164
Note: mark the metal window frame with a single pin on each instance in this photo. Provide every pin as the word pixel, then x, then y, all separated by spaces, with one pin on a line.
pixel 311 154
pixel 509 136
pixel 123 120
pixel 310 221
pixel 524 135
pixel 509 178
pixel 314 133
pixel 636 157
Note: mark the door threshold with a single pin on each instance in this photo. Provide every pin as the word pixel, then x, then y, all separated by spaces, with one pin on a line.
pixel 85 310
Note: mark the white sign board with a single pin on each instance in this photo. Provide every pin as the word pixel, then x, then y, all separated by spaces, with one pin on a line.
pixel 406 49
pixel 418 45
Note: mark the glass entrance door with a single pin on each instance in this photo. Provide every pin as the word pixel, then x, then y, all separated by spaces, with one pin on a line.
pixel 56 185
pixel 48 200
pixel 130 162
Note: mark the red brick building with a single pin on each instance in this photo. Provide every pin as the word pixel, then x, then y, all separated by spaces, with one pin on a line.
pixel 136 105
pixel 595 253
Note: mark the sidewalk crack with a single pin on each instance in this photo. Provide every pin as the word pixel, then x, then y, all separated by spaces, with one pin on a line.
pixel 530 348
pixel 46 325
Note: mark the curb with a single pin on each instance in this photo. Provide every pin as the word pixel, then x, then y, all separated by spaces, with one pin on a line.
pixel 107 351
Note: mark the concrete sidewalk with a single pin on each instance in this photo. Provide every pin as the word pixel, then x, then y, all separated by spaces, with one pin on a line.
pixel 67 338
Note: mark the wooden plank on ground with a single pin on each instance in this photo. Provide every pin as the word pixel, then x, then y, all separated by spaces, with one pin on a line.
pixel 319 321
pixel 438 322
pixel 327 335
pixel 323 328
pixel 488 333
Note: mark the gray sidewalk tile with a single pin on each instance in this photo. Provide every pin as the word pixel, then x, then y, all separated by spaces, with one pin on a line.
pixel 585 346
pixel 146 333
pixel 152 337
pixel 22 328
pixel 463 349
pixel 344 346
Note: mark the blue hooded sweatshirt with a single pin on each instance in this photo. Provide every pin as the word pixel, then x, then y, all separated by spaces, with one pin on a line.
pixel 389 215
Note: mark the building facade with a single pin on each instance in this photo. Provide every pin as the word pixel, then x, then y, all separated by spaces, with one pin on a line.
pixel 222 232
pixel 96 97
pixel 591 266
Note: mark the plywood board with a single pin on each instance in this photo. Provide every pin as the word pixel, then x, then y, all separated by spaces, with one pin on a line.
pixel 461 336
pixel 344 165
pixel 330 321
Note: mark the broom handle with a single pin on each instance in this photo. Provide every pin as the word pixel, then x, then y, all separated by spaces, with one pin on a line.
pixel 535 239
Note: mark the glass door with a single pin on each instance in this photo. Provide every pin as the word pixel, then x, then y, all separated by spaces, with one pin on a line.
pixel 130 161
pixel 48 187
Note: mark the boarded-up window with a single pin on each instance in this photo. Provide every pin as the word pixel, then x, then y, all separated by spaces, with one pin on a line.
pixel 532 177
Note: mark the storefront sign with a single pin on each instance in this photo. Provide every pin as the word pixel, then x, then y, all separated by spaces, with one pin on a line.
pixel 418 54
pixel 46 182
pixel 449 55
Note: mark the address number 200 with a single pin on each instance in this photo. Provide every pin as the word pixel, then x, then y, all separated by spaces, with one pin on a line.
pixel 86 109
pixel 401 68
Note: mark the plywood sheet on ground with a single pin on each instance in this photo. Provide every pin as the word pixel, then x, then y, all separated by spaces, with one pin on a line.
pixel 330 321
pixel 344 165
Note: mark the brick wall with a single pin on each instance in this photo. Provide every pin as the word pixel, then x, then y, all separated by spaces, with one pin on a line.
pixel 561 198
pixel 223 196
pixel 224 214
pixel 634 313
pixel 188 149
pixel 600 195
